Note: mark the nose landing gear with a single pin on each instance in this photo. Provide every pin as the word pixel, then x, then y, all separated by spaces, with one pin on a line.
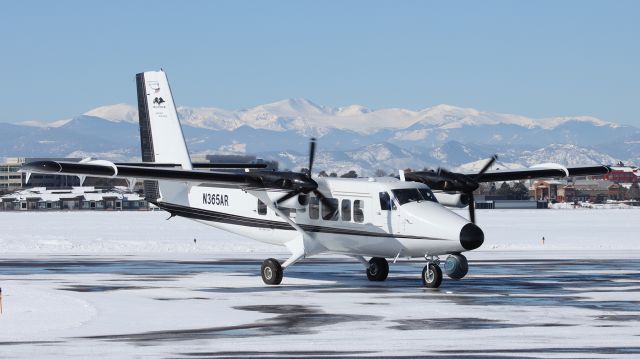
pixel 432 274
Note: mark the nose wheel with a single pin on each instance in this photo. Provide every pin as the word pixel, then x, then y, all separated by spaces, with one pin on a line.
pixel 432 275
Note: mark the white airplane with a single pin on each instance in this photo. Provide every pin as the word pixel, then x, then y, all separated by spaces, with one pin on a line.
pixel 379 217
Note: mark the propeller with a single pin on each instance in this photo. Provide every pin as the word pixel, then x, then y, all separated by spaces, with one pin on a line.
pixel 312 155
pixel 314 187
pixel 472 201
pixel 465 183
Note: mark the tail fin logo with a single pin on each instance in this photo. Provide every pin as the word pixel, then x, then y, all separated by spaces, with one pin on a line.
pixel 154 85
pixel 158 101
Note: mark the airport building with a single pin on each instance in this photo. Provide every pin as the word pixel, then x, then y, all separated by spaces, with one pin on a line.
pixel 629 174
pixel 10 178
pixel 583 190
pixel 75 198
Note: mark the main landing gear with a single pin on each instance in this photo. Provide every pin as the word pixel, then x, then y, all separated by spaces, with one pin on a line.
pixel 378 269
pixel 271 272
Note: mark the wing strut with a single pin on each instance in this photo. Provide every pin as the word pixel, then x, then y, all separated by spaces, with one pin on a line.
pixel 304 245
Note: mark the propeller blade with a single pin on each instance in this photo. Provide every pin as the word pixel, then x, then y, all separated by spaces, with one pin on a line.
pixel 287 196
pixel 487 165
pixel 472 208
pixel 325 201
pixel 312 154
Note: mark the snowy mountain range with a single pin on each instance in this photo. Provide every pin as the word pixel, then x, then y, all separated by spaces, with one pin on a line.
pixel 350 137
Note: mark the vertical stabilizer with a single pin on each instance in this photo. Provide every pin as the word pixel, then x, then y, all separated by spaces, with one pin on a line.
pixel 161 137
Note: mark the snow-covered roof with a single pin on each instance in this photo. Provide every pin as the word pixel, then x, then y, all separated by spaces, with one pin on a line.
pixel 85 193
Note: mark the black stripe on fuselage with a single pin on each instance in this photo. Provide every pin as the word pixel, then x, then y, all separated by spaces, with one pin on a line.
pixel 213 216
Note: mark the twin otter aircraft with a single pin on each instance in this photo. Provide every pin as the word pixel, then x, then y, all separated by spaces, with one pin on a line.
pixel 379 217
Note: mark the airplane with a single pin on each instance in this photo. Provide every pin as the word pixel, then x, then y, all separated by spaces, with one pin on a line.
pixel 376 217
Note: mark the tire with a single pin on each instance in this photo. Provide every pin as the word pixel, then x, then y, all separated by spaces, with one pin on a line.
pixel 456 266
pixel 431 276
pixel 271 272
pixel 378 269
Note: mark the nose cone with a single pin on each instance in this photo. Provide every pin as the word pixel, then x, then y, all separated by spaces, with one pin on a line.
pixel 471 236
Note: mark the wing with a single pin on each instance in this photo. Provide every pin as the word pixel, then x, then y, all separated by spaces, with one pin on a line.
pixel 244 180
pixel 195 165
pixel 541 172
pixel 468 182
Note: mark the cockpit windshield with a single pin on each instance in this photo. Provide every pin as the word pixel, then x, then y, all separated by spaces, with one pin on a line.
pixel 406 195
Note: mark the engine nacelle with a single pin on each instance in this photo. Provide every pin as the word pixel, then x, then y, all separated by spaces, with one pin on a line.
pixel 457 200
pixel 456 266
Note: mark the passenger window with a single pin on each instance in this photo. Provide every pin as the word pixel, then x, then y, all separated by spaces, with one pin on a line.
pixel 358 211
pixel 330 213
pixel 346 210
pixel 262 208
pixel 385 201
pixel 314 208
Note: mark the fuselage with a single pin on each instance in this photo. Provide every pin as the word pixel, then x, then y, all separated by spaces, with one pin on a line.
pixel 378 217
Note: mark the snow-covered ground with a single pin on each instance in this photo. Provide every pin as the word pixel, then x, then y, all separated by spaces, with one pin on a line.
pixel 131 284
pixel 85 232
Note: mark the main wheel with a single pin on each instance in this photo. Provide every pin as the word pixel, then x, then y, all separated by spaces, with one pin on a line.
pixel 271 272
pixel 431 275
pixel 456 266
pixel 378 269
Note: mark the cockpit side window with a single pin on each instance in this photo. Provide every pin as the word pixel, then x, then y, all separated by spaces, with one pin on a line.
pixel 385 201
pixel 406 195
pixel 428 195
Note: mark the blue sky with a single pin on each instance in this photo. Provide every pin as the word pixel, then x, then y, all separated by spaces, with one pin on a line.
pixel 543 58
